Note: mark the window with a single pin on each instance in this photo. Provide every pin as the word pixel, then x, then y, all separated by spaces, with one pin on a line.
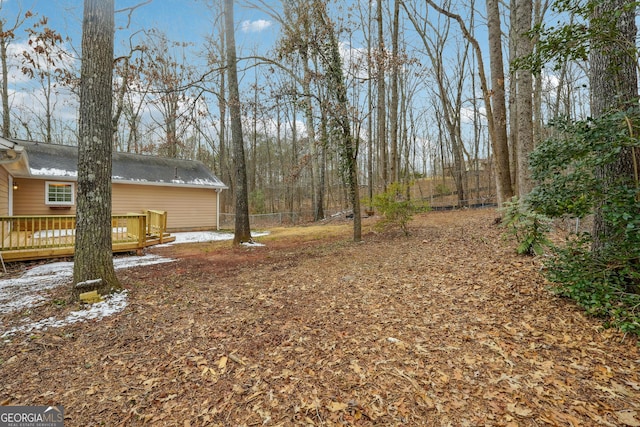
pixel 59 194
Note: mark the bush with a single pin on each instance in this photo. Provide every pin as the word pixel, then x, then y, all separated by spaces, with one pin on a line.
pixel 396 208
pixel 606 281
pixel 598 285
pixel 528 227
pixel 441 189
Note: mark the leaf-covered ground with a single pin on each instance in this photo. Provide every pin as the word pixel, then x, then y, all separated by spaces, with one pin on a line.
pixel 444 328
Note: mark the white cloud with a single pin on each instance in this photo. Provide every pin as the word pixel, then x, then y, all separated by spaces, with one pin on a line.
pixel 354 60
pixel 254 26
pixel 468 114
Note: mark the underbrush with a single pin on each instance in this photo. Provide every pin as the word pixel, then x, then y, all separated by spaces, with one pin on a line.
pixel 583 171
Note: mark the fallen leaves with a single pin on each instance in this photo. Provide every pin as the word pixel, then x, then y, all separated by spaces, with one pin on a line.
pixel 446 327
pixel 628 417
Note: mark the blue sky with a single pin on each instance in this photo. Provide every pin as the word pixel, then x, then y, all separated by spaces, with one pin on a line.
pixel 181 20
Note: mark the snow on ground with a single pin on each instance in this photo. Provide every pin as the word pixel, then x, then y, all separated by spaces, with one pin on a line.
pixel 29 290
pixel 112 304
pixel 205 236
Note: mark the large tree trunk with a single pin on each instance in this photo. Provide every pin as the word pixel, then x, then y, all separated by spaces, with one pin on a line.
pixel 501 143
pixel 242 229
pixel 524 96
pixel 93 254
pixel 614 84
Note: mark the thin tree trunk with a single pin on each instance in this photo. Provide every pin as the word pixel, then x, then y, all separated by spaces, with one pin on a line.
pixel 318 190
pixel 224 160
pixel 394 104
pixel 242 229
pixel 381 107
pixel 370 129
pixel 340 116
pixel 6 118
pixel 513 41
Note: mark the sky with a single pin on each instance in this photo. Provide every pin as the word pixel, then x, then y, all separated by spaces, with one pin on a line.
pixel 31 289
pixel 181 20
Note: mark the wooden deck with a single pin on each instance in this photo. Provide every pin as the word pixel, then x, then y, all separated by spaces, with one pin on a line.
pixel 39 237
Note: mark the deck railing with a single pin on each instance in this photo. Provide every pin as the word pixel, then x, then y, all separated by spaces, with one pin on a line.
pixel 43 236
pixel 156 224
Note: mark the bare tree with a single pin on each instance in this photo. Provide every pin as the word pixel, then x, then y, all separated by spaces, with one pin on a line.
pixel 394 102
pixel 381 110
pixel 449 92
pixel 45 60
pixel 215 51
pixel 242 228
pixel 496 110
pixel 7 34
pixel 93 262
pixel 340 120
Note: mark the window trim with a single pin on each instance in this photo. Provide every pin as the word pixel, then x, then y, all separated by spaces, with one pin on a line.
pixel 48 184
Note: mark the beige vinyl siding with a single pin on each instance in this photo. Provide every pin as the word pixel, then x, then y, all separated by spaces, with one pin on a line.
pixel 29 199
pixel 187 208
pixel 4 192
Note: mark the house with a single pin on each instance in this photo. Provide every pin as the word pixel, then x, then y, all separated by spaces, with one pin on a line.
pixel 40 179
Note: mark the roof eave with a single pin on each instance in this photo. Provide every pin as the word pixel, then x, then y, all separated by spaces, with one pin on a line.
pixel 170 184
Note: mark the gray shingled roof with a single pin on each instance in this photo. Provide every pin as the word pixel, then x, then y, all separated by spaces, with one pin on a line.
pixel 61 161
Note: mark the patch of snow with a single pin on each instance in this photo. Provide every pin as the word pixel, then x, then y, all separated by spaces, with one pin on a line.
pixel 52 172
pixel 139 261
pixel 112 304
pixel 29 290
pixel 43 234
pixel 205 236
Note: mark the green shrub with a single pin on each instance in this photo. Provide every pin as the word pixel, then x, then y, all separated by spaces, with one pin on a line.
pixel 529 228
pixel 606 281
pixel 600 286
pixel 396 208
pixel 441 189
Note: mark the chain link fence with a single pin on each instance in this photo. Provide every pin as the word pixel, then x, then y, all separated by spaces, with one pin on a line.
pixel 227 220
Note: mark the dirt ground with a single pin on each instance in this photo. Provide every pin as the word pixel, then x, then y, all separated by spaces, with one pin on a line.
pixel 446 327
